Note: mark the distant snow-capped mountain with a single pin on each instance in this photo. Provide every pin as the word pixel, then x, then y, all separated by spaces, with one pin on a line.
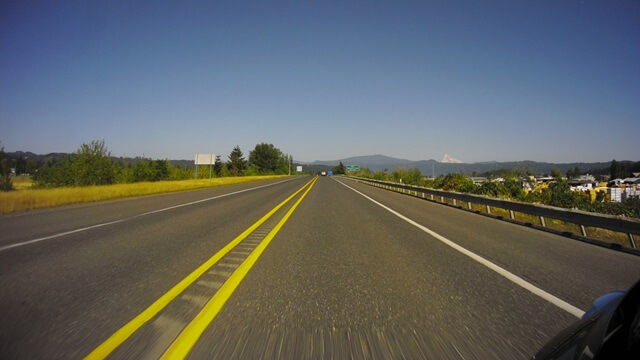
pixel 435 168
pixel 450 160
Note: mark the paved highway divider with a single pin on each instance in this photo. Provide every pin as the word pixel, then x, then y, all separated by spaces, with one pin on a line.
pixel 220 274
pixel 542 212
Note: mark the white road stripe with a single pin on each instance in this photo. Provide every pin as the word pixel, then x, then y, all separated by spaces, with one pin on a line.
pixel 512 277
pixel 7 247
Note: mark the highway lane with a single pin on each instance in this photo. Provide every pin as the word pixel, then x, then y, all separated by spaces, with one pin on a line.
pixel 345 278
pixel 24 226
pixel 342 277
pixel 572 270
pixel 60 298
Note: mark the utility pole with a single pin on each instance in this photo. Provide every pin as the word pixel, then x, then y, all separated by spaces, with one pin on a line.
pixel 289 165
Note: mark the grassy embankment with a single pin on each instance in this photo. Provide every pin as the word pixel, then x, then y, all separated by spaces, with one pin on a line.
pixel 596 233
pixel 30 199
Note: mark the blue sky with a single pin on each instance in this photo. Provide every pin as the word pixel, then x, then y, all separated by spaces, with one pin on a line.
pixel 555 81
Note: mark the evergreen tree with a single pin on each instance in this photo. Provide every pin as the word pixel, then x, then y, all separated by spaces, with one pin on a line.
pixel 237 163
pixel 340 169
pixel 21 165
pixel 5 172
pixel 613 170
pixel 217 167
pixel 573 173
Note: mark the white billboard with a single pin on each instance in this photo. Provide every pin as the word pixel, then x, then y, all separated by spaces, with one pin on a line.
pixel 205 159
pixel 299 169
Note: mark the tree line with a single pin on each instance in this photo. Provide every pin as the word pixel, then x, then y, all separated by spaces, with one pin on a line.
pixel 558 193
pixel 92 164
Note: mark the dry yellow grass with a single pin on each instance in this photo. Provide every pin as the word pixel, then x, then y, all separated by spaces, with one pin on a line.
pixel 30 199
pixel 22 182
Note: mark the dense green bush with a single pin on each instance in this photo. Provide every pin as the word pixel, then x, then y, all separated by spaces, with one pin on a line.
pixel 90 165
pixel 410 176
pixel 55 174
pixel 455 182
pixel 268 159
pixel 151 170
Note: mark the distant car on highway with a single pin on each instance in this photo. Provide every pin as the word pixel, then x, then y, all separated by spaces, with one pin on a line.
pixel 609 330
pixel 323 173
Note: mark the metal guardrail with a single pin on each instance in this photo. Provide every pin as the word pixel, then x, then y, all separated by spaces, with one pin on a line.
pixel 582 218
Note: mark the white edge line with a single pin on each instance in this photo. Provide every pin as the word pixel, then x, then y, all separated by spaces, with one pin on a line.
pixel 59 235
pixel 7 247
pixel 512 277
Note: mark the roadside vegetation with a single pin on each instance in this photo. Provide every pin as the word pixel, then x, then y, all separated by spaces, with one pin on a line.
pixel 91 174
pixel 5 172
pixel 31 199
pixel 557 193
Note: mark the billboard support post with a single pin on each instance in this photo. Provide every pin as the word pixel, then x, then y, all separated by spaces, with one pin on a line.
pixel 205 159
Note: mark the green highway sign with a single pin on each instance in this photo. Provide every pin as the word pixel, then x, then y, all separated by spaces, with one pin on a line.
pixel 353 168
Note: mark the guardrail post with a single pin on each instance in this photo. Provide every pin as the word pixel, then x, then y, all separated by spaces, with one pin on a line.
pixel 542 222
pixel 632 241
pixel 488 209
pixel 423 196
pixel 469 205
pixel 583 230
pixel 441 198
pixel 512 215
pixel 455 203
pixel 431 197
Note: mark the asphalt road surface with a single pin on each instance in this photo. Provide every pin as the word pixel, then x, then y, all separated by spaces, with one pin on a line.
pixel 338 270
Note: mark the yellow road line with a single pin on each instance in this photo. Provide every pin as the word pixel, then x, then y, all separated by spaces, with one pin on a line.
pixel 180 348
pixel 132 326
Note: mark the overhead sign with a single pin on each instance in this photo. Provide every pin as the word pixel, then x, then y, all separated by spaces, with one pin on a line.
pixel 205 159
pixel 299 168
pixel 353 167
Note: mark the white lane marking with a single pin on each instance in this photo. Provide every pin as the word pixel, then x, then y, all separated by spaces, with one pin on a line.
pixel 7 247
pixel 512 277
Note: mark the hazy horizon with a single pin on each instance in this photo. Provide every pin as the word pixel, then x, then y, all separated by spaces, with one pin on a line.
pixel 544 81
pixel 224 158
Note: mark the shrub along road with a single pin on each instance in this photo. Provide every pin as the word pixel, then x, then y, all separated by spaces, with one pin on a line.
pixel 340 276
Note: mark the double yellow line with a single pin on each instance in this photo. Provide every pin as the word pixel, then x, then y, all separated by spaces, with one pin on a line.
pixel 188 337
